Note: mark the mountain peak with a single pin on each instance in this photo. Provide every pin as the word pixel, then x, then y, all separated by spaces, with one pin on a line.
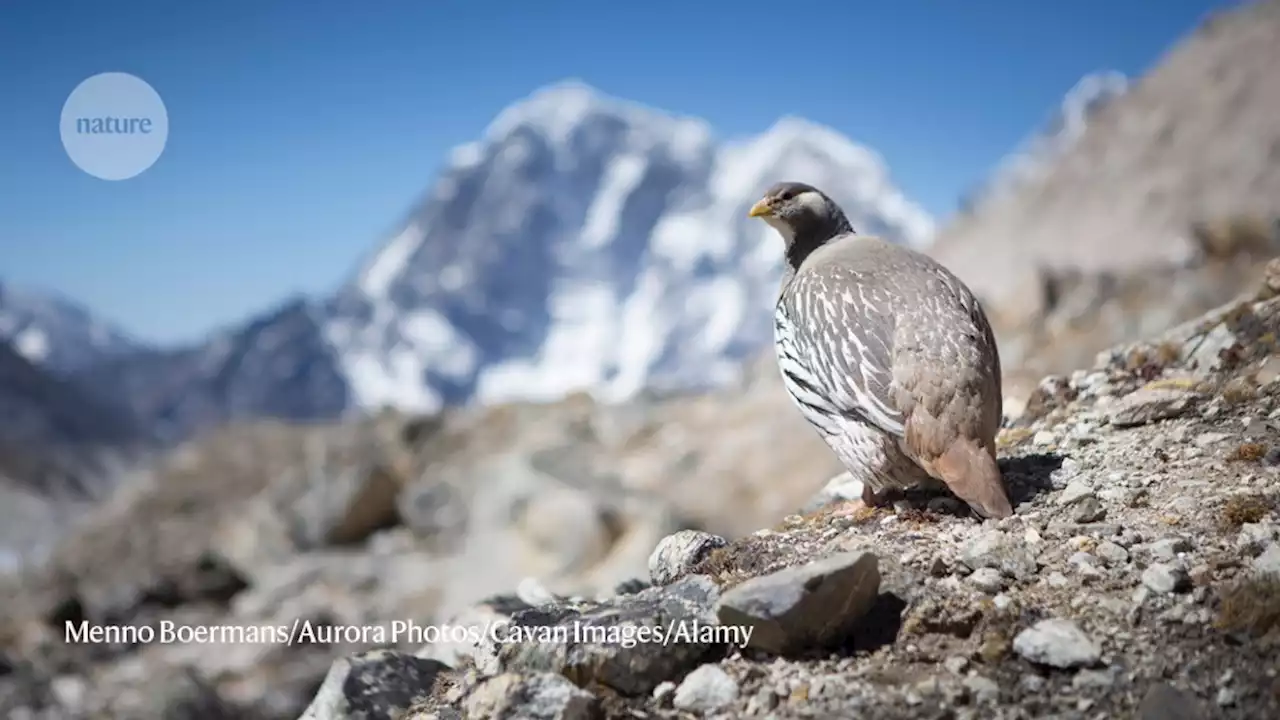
pixel 559 108
pixel 590 242
pixel 1064 127
pixel 55 332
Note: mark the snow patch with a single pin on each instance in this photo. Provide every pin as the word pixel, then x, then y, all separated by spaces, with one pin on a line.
pixel 604 216
pixel 32 344
pixel 394 379
pixel 390 262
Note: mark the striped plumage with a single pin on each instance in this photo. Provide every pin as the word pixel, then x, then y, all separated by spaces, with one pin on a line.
pixel 887 354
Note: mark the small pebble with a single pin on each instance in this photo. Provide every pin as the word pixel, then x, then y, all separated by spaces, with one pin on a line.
pixel 1087 510
pixel 1112 553
pixel 985 690
pixel 1104 678
pixel 1226 697
pixel 1075 490
pixel 663 692
pixel 988 580
pixel 1167 549
pixel 762 702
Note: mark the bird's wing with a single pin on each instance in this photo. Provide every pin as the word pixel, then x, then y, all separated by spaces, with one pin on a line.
pixel 835 351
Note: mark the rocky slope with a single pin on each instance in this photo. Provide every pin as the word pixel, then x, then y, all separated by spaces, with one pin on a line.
pixel 1036 155
pixel 1193 143
pixel 1135 570
pixel 61 448
pixel 1139 577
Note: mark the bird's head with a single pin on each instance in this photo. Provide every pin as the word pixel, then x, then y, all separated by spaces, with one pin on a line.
pixel 801 213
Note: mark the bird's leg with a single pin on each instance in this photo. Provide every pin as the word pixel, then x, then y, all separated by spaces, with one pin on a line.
pixel 870 500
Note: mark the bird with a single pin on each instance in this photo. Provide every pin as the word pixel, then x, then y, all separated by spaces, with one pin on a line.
pixel 887 354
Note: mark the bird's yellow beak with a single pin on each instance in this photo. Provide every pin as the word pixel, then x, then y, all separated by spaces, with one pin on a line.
pixel 761 209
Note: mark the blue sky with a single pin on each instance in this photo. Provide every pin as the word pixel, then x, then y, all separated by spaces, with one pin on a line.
pixel 301 132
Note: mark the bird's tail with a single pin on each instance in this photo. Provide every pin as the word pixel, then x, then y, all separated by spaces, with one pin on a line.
pixel 972 474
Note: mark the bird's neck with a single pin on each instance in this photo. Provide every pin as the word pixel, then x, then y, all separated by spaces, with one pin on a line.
pixel 807 238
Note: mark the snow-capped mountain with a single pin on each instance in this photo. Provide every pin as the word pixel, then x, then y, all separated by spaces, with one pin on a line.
pixel 55 333
pixel 1035 155
pixel 581 243
pixel 589 243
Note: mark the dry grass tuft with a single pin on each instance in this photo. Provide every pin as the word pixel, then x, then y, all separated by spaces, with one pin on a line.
pixel 1250 606
pixel 1241 509
pixel 1248 452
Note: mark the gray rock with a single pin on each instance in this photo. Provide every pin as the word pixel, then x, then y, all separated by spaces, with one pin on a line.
pixel 1087 510
pixel 1075 491
pixel 984 690
pixel 1103 679
pixel 1268 563
pixel 808 606
pixel 1167 549
pixel 522 522
pixel 1085 565
pixel 997 550
pixel 538 696
pixel 764 701
pixel 988 580
pixel 328 501
pixel 619 642
pixel 678 553
pixel 838 489
pixel 373 685
pixel 705 689
pixel 1112 553
pixel 1058 643
pixel 1226 697
pixel 1165 702
pixel 1043 438
pixel 1149 405
pixel 1164 578
pixel 434 510
pixel 1257 535
pixel 1208 356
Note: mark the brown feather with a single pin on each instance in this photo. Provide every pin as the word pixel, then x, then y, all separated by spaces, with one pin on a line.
pixel 972 474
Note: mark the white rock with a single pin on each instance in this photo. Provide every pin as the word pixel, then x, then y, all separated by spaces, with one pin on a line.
pixel 705 689
pixel 1058 643
pixel 1268 563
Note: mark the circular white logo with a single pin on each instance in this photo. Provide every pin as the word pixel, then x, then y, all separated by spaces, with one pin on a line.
pixel 114 126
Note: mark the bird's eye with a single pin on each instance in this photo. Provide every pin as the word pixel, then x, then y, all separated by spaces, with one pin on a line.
pixel 787 194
